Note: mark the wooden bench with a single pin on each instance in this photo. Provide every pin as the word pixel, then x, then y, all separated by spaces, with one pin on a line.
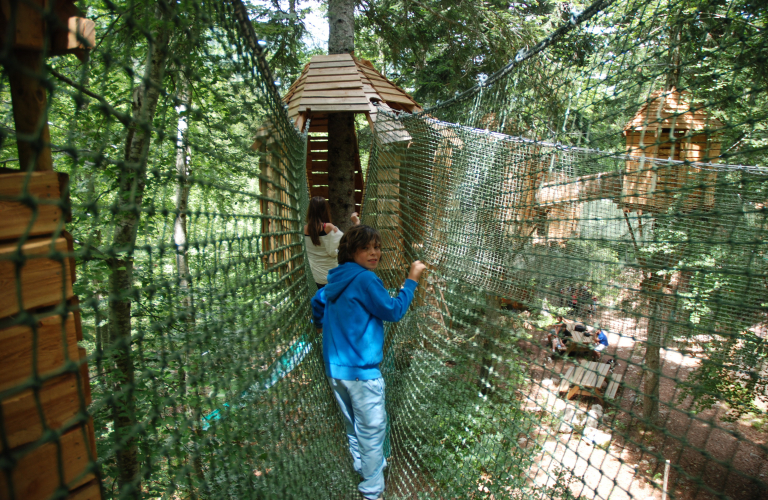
pixel 613 386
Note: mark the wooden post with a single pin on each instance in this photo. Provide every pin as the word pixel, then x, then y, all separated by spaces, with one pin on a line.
pixel 29 98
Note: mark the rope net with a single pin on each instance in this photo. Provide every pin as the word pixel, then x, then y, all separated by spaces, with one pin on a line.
pixel 156 331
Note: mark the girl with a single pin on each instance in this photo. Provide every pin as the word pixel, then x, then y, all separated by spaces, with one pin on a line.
pixel 322 239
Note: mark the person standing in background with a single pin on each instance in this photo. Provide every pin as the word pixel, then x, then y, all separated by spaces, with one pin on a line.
pixel 322 239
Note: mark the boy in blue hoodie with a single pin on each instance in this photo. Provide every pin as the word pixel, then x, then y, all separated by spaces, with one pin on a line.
pixel 350 312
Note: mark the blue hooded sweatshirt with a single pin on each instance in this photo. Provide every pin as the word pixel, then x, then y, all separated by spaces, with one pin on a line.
pixel 351 310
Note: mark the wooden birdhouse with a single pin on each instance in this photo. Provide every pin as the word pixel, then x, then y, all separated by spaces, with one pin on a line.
pixel 339 83
pixel 673 139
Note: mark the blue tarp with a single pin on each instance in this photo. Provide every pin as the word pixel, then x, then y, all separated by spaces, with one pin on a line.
pixel 282 366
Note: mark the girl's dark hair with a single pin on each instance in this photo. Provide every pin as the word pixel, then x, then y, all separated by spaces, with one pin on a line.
pixel 356 238
pixel 318 213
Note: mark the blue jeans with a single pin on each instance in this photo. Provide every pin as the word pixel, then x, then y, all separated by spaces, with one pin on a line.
pixel 362 406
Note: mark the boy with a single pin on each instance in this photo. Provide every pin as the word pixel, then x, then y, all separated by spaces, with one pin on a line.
pixel 557 335
pixel 601 341
pixel 350 311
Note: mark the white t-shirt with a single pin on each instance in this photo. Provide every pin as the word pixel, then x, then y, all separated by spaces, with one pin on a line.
pixel 323 258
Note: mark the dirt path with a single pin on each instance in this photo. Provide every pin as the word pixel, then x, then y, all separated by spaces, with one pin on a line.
pixel 709 457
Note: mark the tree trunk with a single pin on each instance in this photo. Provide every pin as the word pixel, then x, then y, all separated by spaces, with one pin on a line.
pixel 341 26
pixel 652 368
pixel 132 181
pixel 673 74
pixel 342 140
pixel 180 224
pixel 342 149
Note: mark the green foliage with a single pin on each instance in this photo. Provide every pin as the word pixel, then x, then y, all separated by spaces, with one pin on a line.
pixel 437 47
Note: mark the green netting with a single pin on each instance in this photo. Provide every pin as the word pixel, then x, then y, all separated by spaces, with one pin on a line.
pixel 522 195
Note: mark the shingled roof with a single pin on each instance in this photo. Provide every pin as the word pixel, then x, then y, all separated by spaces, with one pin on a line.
pixel 342 83
pixel 668 108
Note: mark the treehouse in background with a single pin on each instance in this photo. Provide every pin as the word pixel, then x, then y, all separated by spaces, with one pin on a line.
pixel 328 84
pixel 670 127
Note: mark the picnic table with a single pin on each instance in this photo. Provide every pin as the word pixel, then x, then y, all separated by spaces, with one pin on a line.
pixel 587 379
pixel 579 342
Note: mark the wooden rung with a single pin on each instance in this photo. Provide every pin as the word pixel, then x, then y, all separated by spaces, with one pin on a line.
pixel 16 352
pixel 16 217
pixel 35 475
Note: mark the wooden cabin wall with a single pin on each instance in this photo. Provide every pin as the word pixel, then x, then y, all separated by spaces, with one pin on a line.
pixel 656 186
pixel 43 348
pixel 317 170
pixel 383 211
pixel 275 206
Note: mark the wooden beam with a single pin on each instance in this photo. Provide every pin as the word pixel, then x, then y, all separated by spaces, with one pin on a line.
pixel 29 98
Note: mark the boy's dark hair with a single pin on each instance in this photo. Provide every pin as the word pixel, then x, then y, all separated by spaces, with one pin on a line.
pixel 356 238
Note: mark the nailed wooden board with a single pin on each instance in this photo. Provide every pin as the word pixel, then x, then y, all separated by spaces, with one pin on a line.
pixel 348 84
pixel 332 101
pixel 16 217
pixel 331 57
pixel 319 179
pixel 331 64
pixel 60 402
pixel 350 77
pixel 41 276
pixel 333 95
pixel 17 342
pixel 319 191
pixel 395 98
pixel 89 491
pixel 334 108
pixel 351 70
pixel 35 475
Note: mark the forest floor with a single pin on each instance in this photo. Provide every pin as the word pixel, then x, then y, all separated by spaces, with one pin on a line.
pixel 708 455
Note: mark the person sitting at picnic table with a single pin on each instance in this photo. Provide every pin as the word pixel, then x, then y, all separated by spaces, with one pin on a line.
pixel 557 335
pixel 601 343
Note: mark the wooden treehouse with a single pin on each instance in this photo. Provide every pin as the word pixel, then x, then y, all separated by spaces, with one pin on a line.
pixel 669 127
pixel 339 83
pixel 43 372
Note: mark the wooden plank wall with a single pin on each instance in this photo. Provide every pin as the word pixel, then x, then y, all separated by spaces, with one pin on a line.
pixel 41 362
pixel 317 170
pixel 656 186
